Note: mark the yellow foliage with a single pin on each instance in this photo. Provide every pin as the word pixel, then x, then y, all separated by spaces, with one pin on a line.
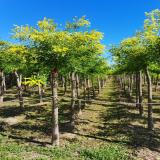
pixel 60 49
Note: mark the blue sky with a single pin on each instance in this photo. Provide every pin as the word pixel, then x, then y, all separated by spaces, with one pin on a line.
pixel 118 19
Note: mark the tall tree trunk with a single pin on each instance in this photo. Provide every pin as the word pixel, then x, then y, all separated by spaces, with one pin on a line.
pixel 2 88
pixel 4 82
pixel 79 112
pixel 150 112
pixel 55 125
pixel 140 93
pixel 144 79
pixel 131 85
pixel 65 86
pixel 93 89
pixel 80 83
pixel 73 100
pixel 99 84
pixel 156 85
pixel 40 92
pixel 137 90
pixel 63 83
pixel 77 85
pixel 69 80
pixel 1 93
pixel 120 81
pixel 124 82
pixel 20 90
pixel 84 92
pixel 88 87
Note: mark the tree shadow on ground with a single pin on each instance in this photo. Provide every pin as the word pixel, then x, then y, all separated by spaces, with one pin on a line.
pixel 156 110
pixel 26 139
pixel 125 125
pixel 8 111
pixel 37 122
pixel 122 124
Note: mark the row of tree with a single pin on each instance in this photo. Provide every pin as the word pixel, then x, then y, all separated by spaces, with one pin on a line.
pixel 138 56
pixel 47 52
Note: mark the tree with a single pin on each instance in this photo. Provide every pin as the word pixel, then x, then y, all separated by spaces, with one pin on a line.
pixel 49 48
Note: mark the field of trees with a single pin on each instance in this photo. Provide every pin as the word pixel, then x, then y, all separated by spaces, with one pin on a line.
pixel 61 99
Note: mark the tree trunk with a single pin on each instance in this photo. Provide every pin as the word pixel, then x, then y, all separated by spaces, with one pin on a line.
pixel 20 90
pixel 93 89
pixel 150 112
pixel 124 83
pixel 121 83
pixel 144 79
pixel 77 85
pixel 99 85
pixel 84 92
pixel 81 83
pixel 2 89
pixel 4 82
pixel 73 100
pixel 69 80
pixel 137 90
pixel 156 85
pixel 55 126
pixel 140 93
pixel 131 85
pixel 40 91
pixel 88 87
pixel 63 83
pixel 79 112
pixel 65 86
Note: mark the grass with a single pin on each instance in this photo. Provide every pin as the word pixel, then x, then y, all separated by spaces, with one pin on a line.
pixel 11 150
pixel 103 131
pixel 112 152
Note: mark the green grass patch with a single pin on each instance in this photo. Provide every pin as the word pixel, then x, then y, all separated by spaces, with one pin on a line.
pixel 111 152
pixel 11 150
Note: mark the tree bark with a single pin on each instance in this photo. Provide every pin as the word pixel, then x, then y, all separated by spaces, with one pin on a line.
pixel 93 89
pixel 84 92
pixel 2 88
pixel 69 80
pixel 88 87
pixel 20 90
pixel 150 112
pixel 156 85
pixel 63 83
pixel 131 85
pixel 144 79
pixel 99 84
pixel 65 86
pixel 4 82
pixel 40 91
pixel 121 83
pixel 73 100
pixel 124 82
pixel 137 90
pixel 79 112
pixel 140 93
pixel 77 85
pixel 55 125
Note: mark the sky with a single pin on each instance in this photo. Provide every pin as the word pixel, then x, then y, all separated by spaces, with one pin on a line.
pixel 117 19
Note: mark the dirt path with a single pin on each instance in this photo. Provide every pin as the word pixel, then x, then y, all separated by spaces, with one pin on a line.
pixel 113 123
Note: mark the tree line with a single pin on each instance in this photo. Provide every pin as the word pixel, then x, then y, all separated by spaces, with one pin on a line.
pixel 137 60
